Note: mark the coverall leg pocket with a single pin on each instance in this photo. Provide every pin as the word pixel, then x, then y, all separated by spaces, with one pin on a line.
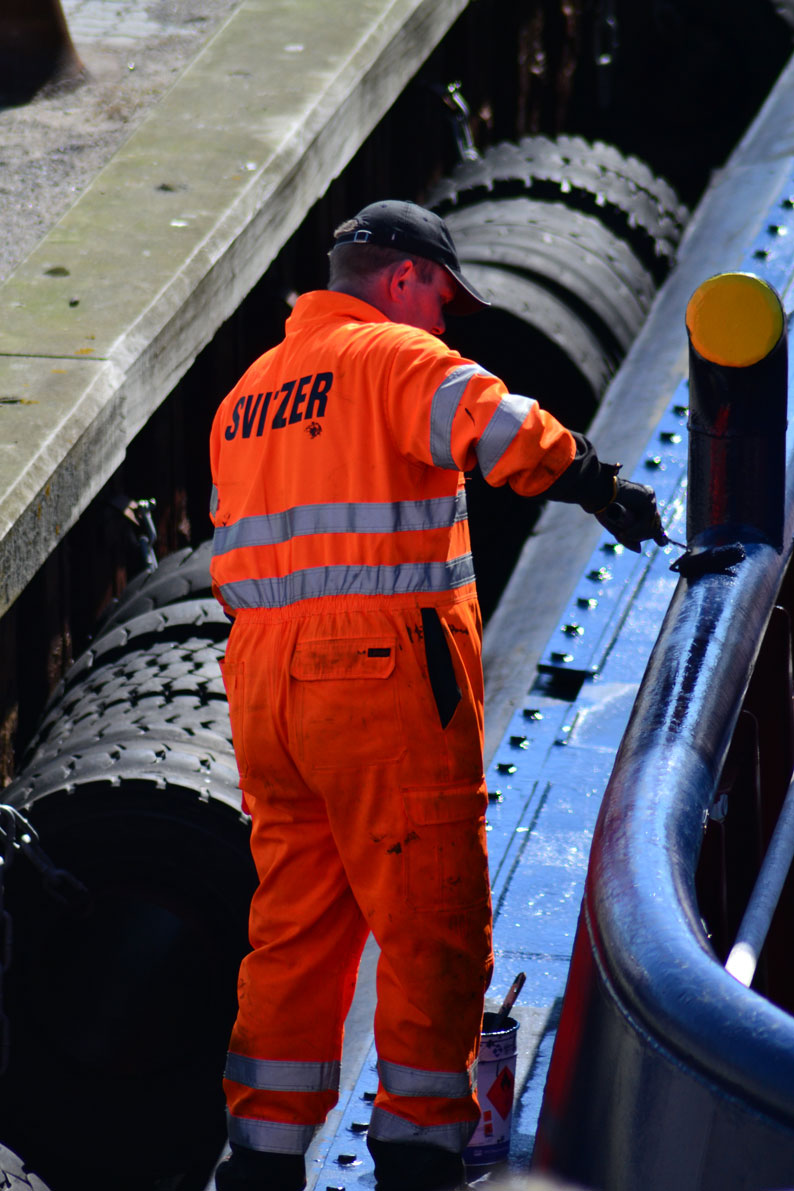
pixel 346 710
pixel 445 853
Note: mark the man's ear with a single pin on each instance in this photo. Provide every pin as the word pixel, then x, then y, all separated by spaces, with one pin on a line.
pixel 401 276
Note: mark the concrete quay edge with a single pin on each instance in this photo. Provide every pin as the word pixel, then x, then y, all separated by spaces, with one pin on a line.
pixel 111 308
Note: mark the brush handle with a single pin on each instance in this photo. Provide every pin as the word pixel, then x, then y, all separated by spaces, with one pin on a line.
pixel 509 1001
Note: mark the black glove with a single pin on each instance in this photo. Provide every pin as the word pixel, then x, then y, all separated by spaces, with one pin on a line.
pixel 626 509
pixel 631 516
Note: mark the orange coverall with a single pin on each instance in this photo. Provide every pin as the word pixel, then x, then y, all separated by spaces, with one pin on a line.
pixel 354 677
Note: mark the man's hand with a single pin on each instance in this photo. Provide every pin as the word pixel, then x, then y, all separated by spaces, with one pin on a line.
pixel 632 517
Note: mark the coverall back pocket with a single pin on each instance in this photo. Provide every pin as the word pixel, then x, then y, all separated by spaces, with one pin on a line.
pixel 345 710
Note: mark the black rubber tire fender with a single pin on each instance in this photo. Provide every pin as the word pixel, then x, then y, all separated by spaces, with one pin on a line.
pixel 194 726
pixel 157 682
pixel 136 986
pixel 571 254
pixel 183 575
pixel 177 622
pixel 210 773
pixel 531 303
pixel 595 178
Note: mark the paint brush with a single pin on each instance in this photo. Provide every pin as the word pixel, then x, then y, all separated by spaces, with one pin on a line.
pixel 509 1002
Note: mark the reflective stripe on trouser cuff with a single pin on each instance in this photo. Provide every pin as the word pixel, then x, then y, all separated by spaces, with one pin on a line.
pixel 272 1075
pixel 411 1081
pixel 275 1137
pixel 385 1126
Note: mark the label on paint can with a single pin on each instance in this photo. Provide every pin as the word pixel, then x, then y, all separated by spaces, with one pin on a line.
pixel 496 1077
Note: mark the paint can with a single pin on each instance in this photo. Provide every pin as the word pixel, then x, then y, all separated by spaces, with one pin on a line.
pixel 496 1077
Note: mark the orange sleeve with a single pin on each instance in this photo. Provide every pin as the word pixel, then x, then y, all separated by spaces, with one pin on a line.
pixel 447 411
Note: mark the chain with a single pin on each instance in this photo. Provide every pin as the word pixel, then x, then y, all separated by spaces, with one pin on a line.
pixel 460 116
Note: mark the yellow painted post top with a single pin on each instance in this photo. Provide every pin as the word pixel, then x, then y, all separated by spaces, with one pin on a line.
pixel 734 319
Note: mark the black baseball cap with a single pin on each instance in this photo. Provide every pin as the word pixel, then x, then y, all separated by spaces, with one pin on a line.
pixel 410 228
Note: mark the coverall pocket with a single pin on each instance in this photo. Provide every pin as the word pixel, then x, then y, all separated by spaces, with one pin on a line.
pixel 346 711
pixel 234 682
pixel 441 706
pixel 446 858
pixel 440 668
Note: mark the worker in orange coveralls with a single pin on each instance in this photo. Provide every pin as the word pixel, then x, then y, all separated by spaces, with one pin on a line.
pixel 354 678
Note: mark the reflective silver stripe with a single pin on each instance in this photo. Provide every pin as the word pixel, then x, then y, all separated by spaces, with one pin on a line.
pixel 277 1137
pixel 443 409
pixel 213 500
pixel 411 1081
pixel 502 429
pixel 385 1126
pixel 397 517
pixel 274 1076
pixel 279 592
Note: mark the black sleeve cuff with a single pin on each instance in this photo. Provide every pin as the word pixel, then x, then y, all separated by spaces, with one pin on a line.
pixel 586 481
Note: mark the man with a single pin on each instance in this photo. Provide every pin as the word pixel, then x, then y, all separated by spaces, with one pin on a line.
pixel 354 678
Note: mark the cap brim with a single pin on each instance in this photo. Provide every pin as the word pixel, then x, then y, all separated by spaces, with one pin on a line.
pixel 467 300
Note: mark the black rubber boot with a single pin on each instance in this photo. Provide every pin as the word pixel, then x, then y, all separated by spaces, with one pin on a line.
pixel 253 1170
pixel 415 1167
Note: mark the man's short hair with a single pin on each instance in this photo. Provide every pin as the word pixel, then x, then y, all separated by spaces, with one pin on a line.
pixel 361 261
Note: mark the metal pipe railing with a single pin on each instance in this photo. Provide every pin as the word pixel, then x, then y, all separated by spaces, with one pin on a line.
pixel 704 1097
pixel 738 363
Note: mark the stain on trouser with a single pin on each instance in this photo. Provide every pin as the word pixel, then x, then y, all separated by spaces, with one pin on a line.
pixel 367 815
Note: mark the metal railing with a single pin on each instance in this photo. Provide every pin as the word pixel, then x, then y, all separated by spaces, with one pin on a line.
pixel 667 1071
